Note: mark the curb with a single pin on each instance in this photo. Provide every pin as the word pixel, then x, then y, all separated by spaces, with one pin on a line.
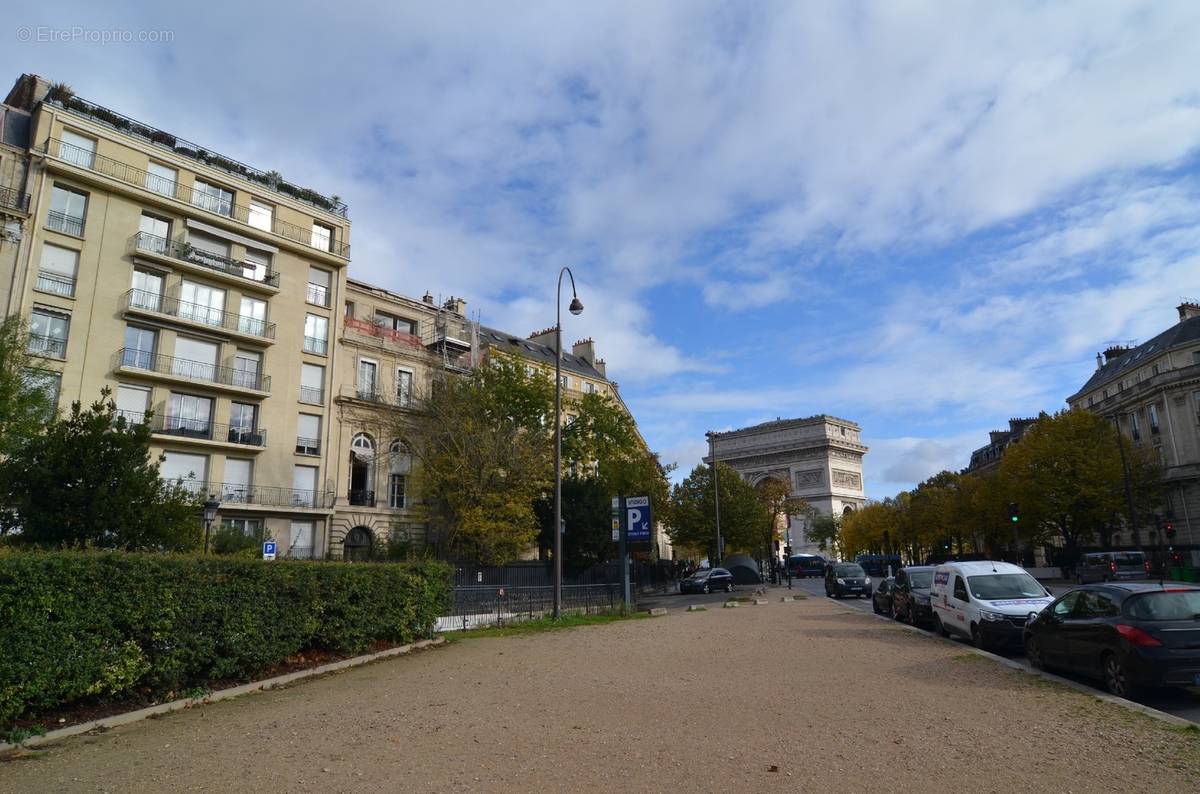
pixel 656 611
pixel 1149 711
pixel 697 608
pixel 731 605
pixel 116 720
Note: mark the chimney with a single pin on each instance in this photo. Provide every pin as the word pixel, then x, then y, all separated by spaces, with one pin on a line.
pixel 456 305
pixel 1188 310
pixel 427 298
pixel 1116 351
pixel 1099 361
pixel 27 92
pixel 543 337
pixel 600 367
pixel 585 349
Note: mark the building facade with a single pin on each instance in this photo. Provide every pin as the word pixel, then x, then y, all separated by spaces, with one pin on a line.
pixel 819 457
pixel 986 459
pixel 1151 392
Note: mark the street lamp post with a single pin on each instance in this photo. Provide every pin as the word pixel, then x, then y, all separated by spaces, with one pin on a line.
pixel 211 505
pixel 712 456
pixel 575 308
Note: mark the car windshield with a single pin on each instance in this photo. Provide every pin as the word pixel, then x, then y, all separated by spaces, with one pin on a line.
pixel 1127 560
pixel 1178 605
pixel 701 574
pixel 921 580
pixel 848 570
pixel 994 586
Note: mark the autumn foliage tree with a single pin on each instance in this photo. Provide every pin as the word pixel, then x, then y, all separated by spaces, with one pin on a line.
pixel 693 513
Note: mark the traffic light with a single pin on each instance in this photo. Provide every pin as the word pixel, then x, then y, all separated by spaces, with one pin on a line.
pixel 787 551
pixel 1169 528
pixel 1014 515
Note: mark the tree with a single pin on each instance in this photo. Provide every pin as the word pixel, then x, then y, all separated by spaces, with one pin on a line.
pixel 89 480
pixel 484 445
pixel 825 529
pixel 693 511
pixel 24 405
pixel 776 496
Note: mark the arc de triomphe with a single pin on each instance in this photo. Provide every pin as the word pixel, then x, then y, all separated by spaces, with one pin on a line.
pixel 820 457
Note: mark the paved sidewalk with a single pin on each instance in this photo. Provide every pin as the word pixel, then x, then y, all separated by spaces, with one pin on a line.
pixel 707 701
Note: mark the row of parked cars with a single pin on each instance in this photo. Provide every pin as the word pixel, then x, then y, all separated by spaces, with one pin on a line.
pixel 1127 634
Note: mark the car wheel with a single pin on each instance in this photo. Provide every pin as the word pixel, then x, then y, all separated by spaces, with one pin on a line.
pixel 938 628
pixel 707 589
pixel 1116 677
pixel 729 587
pixel 977 638
pixel 1033 652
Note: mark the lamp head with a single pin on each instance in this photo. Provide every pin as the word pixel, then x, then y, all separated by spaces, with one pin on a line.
pixel 210 508
pixel 576 306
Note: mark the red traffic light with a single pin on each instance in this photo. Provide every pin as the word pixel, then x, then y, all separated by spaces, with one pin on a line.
pixel 1169 528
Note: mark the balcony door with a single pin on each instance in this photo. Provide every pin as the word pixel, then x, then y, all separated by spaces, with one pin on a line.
pixel 252 316
pixel 139 347
pixel 154 234
pixel 190 416
pixel 201 303
pixel 247 368
pixel 195 359
pixel 147 290
pixel 237 486
pixel 368 379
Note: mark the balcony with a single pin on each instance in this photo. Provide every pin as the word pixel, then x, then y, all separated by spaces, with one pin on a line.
pixel 55 284
pixel 183 369
pixel 312 395
pixel 204 430
pixel 362 498
pixel 67 224
pixel 364 328
pixel 12 199
pixel 308 446
pixel 230 493
pixel 367 394
pixel 141 301
pixel 317 294
pixel 314 344
pixel 131 175
pixel 183 252
pixel 47 346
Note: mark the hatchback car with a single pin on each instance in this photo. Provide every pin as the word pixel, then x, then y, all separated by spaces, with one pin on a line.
pixel 1128 635
pixel 707 580
pixel 881 602
pixel 846 578
pixel 910 595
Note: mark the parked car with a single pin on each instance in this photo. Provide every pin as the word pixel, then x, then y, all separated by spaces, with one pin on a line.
pixel 1128 635
pixel 846 578
pixel 910 595
pixel 881 601
pixel 986 602
pixel 1107 566
pixel 707 580
pixel 878 564
pixel 802 566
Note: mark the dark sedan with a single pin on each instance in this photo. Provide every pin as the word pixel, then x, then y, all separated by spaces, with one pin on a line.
pixel 881 602
pixel 1128 635
pixel 707 580
pixel 910 596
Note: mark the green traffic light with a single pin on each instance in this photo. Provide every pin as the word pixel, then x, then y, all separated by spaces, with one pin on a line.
pixel 1015 519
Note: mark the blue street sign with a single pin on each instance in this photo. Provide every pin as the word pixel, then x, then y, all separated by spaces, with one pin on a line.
pixel 268 550
pixel 637 511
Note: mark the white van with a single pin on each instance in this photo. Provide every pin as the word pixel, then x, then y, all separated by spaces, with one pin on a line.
pixel 986 602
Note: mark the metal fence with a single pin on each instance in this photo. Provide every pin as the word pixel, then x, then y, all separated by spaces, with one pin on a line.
pixel 486 605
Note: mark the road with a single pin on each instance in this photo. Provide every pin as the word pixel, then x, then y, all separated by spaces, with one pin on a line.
pixel 1180 702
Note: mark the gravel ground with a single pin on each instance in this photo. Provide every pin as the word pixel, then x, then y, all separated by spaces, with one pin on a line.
pixel 708 701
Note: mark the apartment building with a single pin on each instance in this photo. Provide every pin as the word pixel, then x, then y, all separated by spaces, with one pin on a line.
pixel 193 286
pixel 14 200
pixel 986 459
pixel 1151 392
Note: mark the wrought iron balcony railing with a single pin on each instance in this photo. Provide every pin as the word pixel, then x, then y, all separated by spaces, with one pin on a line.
pixel 318 294
pixel 123 172
pixel 208 431
pixel 230 493
pixel 67 224
pixel 55 284
pixel 13 199
pixel 143 241
pixel 372 395
pixel 192 370
pixel 163 304
pixel 362 498
pixel 314 344
pixel 49 346
pixel 312 395
pixel 308 446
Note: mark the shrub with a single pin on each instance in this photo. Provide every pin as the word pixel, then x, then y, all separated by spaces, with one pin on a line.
pixel 112 625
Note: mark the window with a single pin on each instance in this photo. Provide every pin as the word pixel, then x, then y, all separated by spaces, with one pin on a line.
pixel 960 589
pixel 243 424
pixel 213 198
pixel 78 150
pixel 237 485
pixel 260 215
pixel 154 234
pixel 132 403
pixel 308 435
pixel 56 273
pixel 1153 410
pixel 146 291
pixel 393 323
pixel 1098 605
pixel 161 179
pixel 566 381
pixel 247 366
pixel 140 344
pixel 404 379
pixel 191 469
pixel 201 303
pixel 250 527
pixel 318 286
pixel 589 387
pixel 48 333
pixel 189 416
pixel 301 540
pixel 368 379
pixel 312 384
pixel 322 237
pixel 195 358
pixel 396 486
pixel 304 486
pixel 1135 427
pixel 257 265
pixel 49 383
pixel 350 309
pixel 399 466
pixel 68 210
pixel 252 316
pixel 316 333
pixel 1063 609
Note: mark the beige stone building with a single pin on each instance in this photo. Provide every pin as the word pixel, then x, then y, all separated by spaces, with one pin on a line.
pixel 192 286
pixel 1151 392
pixel 819 457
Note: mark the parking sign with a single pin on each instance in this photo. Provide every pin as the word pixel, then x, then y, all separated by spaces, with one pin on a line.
pixel 268 550
pixel 639 520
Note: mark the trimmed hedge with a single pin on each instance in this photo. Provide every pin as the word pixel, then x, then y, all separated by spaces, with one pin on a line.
pixel 112 625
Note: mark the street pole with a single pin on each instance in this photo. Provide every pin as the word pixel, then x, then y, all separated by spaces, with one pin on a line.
pixel 575 308
pixel 712 454
pixel 1137 534
pixel 623 553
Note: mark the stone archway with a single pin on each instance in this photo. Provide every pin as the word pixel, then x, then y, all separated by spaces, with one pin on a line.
pixel 358 543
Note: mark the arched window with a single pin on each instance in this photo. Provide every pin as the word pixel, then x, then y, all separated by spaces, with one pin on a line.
pixel 362 444
pixel 362 471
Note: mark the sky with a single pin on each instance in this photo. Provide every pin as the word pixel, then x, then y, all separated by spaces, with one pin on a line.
pixel 926 217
